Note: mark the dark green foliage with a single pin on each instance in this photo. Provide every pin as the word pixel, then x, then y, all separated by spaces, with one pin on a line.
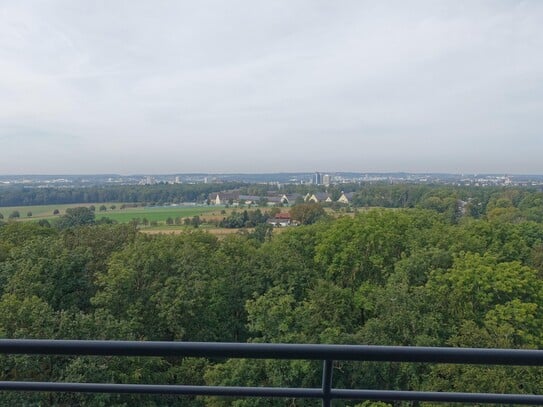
pixel 79 216
pixel 195 221
pixel 307 213
pixel 262 232
pixel 244 219
pixel 14 215
pixel 18 233
pixel 46 269
pixel 15 196
pixel 44 223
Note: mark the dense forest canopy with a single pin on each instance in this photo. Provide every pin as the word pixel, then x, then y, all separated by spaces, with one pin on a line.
pixel 438 274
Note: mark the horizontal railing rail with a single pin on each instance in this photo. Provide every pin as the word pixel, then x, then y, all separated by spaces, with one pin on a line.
pixel 326 353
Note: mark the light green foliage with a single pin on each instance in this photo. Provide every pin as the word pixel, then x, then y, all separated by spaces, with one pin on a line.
pixel 366 248
pixel 272 316
pixel 26 317
pixel 288 260
pixel 485 291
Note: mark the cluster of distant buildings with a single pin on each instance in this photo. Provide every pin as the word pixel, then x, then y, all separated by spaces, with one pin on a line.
pixel 325 179
pixel 316 179
pixel 151 180
pixel 277 179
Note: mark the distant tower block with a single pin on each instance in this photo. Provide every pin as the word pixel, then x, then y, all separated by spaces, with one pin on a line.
pixel 326 179
pixel 317 178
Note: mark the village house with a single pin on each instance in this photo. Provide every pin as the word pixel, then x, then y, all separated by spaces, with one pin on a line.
pixel 223 198
pixel 282 219
pixel 235 198
pixel 290 199
pixel 346 198
pixel 319 197
pixel 249 199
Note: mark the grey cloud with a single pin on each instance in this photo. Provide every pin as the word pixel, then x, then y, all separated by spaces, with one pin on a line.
pixel 174 86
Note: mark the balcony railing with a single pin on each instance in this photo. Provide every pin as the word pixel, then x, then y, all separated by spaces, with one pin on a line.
pixel 326 353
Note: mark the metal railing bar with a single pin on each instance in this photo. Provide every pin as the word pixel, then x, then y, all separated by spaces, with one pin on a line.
pixel 397 395
pixel 227 391
pixel 327 373
pixel 274 351
pixel 273 392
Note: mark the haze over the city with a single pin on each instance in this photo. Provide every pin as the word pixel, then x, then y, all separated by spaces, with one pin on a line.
pixel 264 86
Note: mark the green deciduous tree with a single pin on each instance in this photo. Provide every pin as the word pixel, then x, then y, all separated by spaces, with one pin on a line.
pixel 491 293
pixel 74 217
pixel 307 213
pixel 44 268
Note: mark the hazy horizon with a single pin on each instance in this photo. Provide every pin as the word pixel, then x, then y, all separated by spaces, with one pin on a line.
pixel 264 87
pixel 310 173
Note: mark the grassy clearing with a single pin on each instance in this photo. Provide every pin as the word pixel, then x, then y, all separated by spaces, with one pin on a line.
pixel 176 230
pixel 158 214
pixel 45 211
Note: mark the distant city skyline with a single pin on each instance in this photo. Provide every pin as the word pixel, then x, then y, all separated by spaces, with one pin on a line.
pixel 172 87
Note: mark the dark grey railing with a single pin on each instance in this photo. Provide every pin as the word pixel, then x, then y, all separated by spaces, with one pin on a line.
pixel 325 353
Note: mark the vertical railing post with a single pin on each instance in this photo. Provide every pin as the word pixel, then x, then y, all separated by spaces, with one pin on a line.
pixel 327 383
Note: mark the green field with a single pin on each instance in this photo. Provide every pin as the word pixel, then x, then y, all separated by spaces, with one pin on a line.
pixel 45 211
pixel 159 214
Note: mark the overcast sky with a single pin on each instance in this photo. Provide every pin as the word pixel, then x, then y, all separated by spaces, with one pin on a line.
pixel 265 86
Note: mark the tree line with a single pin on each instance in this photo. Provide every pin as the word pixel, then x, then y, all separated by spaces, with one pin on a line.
pixel 156 194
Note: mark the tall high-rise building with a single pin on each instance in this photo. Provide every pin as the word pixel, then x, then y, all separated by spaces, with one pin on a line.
pixel 326 180
pixel 317 180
